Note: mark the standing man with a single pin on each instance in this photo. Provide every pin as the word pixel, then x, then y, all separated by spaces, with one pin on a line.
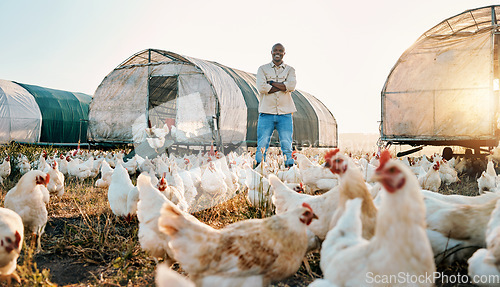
pixel 276 82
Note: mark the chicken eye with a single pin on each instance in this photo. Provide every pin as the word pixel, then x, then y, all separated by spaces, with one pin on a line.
pixel 392 170
pixel 8 240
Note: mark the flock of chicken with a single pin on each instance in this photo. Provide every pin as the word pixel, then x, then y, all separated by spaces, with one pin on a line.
pixel 374 216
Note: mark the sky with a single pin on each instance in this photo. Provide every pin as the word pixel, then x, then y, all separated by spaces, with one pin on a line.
pixel 342 51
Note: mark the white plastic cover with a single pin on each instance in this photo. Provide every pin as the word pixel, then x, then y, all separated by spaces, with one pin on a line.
pixel 195 101
pixel 118 102
pixel 121 100
pixel 442 87
pixel 327 127
pixel 192 120
pixel 20 116
pixel 233 109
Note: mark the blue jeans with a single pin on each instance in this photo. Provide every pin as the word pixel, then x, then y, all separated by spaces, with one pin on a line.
pixel 265 127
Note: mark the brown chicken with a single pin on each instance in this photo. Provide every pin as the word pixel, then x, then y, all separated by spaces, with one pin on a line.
pixel 254 250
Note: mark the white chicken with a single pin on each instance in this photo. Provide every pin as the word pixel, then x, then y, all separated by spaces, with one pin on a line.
pixel 367 168
pixel 485 261
pixel 324 205
pixel 456 230
pixel 106 173
pixel 131 165
pixel 28 199
pixel 156 136
pixel 212 181
pixel 56 183
pixel 42 164
pixel 120 189
pixel 190 191
pixel 174 179
pixel 461 199
pixel 488 179
pixel 447 174
pixel 486 183
pixel 431 180
pixel 23 164
pixel 146 165
pixel 270 248
pixel 315 176
pixel 148 211
pixel 229 176
pixel 166 277
pixel 424 162
pixel 290 175
pixel 400 244
pixel 346 232
pixel 81 170
pixel 172 193
pixel 5 169
pixel 11 236
pixel 63 164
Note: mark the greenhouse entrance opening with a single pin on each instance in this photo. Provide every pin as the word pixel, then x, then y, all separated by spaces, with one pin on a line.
pixel 163 92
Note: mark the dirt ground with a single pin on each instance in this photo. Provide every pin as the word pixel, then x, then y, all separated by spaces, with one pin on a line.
pixel 65 270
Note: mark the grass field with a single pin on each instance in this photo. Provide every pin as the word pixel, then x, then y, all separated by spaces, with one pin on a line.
pixel 85 244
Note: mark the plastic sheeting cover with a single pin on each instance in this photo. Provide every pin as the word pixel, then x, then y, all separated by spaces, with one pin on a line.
pixel 192 120
pixel 20 116
pixel 233 116
pixel 118 102
pixel 327 125
pixel 441 87
pixel 191 87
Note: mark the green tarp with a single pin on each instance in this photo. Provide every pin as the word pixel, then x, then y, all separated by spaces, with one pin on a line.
pixel 64 114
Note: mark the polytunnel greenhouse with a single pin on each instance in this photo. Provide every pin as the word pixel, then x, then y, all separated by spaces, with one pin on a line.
pixel 204 102
pixel 33 114
pixel 444 89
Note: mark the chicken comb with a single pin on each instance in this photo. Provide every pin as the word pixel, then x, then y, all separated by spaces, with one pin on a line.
pixel 18 239
pixel 306 205
pixel 331 153
pixel 385 156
